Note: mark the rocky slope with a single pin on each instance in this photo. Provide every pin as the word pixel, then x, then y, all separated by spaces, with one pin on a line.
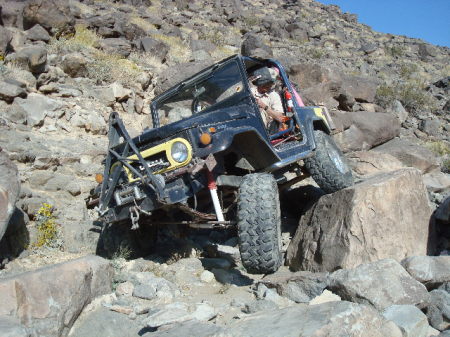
pixel 67 64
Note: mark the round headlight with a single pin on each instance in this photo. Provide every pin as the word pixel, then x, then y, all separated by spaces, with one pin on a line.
pixel 179 152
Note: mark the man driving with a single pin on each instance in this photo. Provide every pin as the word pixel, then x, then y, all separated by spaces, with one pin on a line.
pixel 268 100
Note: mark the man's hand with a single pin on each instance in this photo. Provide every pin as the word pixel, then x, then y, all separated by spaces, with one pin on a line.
pixel 260 103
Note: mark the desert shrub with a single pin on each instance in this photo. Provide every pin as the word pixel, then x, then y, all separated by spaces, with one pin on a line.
pixel 112 67
pixel 406 70
pixel 144 24
pixel 440 150
pixel 411 94
pixel 395 51
pixel 252 21
pixel 82 39
pixel 48 233
pixel 213 36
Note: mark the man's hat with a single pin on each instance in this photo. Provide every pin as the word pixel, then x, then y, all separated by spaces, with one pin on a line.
pixel 263 76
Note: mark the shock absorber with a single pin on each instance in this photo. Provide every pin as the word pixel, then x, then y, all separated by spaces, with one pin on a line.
pixel 213 190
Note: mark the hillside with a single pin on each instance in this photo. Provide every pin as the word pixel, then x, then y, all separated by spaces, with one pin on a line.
pixel 66 65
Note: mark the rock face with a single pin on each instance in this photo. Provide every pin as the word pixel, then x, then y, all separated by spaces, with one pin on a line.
pixel 50 299
pixel 364 223
pixel 432 271
pixel 380 284
pixel 9 190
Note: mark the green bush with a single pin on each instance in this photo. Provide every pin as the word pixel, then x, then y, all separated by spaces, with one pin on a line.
pixel 411 94
pixel 395 51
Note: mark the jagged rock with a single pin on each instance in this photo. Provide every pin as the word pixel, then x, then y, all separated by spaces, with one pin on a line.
pixel 333 318
pixel 437 182
pixel 180 72
pixel 363 223
pixel 120 93
pixel 365 163
pixel 411 321
pixel 352 139
pixel 252 44
pixel 261 305
pixel 204 312
pixel 399 111
pixel 37 107
pixel 300 287
pixel 307 75
pixel 104 95
pixel 362 88
pixel 37 33
pixel 430 127
pixel 202 45
pixel 411 154
pixel 9 190
pixel 5 39
pixel 432 271
pixel 75 65
pixel 49 14
pixel 380 284
pixel 10 91
pixel 33 58
pixel 115 46
pixel 438 312
pixel 70 286
pixel 155 47
pixel 11 14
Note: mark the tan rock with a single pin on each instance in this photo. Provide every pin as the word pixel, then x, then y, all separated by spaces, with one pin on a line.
pixel 385 216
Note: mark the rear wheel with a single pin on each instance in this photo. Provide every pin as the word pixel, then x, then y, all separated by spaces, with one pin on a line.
pixel 329 167
pixel 259 224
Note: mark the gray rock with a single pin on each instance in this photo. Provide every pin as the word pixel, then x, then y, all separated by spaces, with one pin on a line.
pixel 411 154
pixel 347 228
pixel 10 188
pixel 10 91
pixel 48 14
pixel 37 33
pixel 204 312
pixel 411 320
pixel 437 182
pixel 261 305
pixel 167 316
pixel 34 58
pixel 144 291
pixel 300 287
pixel 192 328
pixel 12 327
pixel 75 65
pixel 438 311
pixel 432 271
pixel 55 295
pixel 380 284
pixel 430 127
pixel 252 44
pixel 37 107
pixel 104 95
pixel 332 319
pixel 155 47
pixel 362 88
pixel 116 46
pixel 443 211
pixel 399 111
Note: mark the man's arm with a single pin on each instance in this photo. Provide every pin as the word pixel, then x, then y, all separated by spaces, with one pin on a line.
pixel 276 113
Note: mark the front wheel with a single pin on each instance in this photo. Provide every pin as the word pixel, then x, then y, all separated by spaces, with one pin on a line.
pixel 259 224
pixel 329 167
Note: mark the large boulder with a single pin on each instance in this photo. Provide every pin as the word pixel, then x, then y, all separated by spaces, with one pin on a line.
pixel 369 162
pixel 385 216
pixel 50 299
pixel 5 39
pixel 178 73
pixel 438 312
pixel 34 58
pixel 369 129
pixel 155 47
pixel 307 75
pixel 328 319
pixel 254 46
pixel 411 154
pixel 75 65
pixel 362 88
pixel 9 190
pixel 380 284
pixel 50 14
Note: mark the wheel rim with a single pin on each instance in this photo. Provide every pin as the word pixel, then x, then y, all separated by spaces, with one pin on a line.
pixel 336 159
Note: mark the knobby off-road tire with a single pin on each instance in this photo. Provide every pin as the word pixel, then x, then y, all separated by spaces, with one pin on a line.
pixel 259 224
pixel 329 167
pixel 121 240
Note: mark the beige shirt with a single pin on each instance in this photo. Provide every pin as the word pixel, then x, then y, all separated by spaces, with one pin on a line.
pixel 271 99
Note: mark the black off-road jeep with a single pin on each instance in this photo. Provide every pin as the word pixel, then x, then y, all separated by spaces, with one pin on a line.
pixel 213 164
